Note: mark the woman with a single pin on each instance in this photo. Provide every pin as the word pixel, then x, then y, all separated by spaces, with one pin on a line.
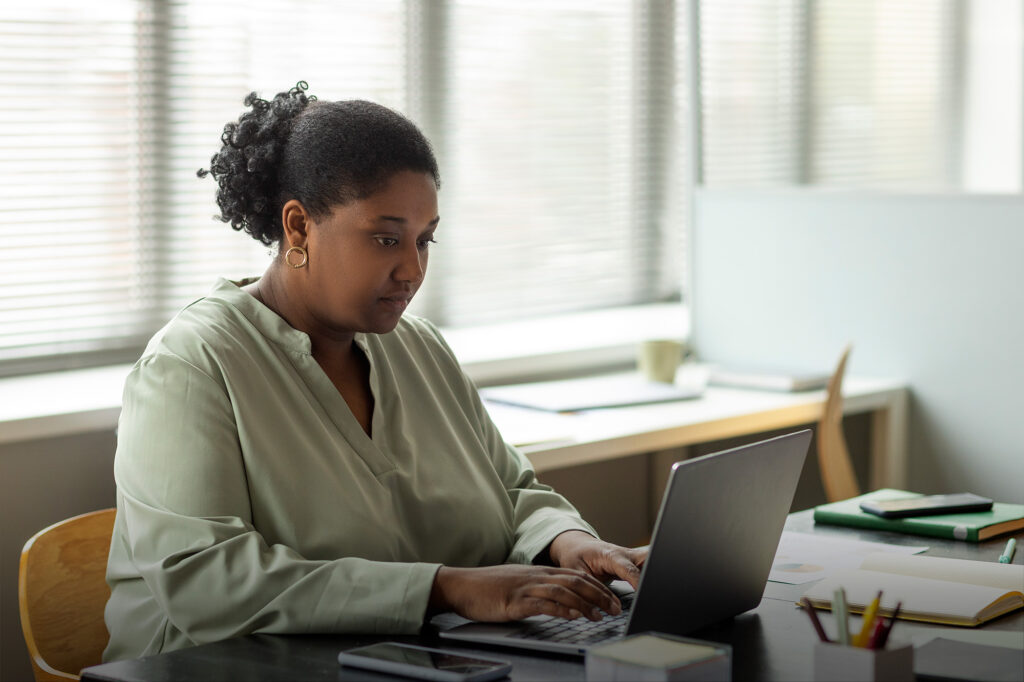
pixel 294 455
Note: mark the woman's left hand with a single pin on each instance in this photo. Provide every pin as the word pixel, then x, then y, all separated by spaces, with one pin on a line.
pixel 603 560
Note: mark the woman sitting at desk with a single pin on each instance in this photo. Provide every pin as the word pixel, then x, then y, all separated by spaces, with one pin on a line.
pixel 293 455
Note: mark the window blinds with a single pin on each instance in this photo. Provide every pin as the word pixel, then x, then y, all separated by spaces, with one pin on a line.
pixel 70 178
pixel 884 86
pixel 218 51
pixel 831 92
pixel 108 110
pixel 545 150
pixel 752 91
pixel 561 127
pixel 549 119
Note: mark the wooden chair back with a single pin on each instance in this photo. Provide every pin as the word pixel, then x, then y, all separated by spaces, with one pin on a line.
pixel 62 591
pixel 837 475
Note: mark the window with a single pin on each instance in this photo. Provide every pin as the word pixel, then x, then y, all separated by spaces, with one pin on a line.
pixel 547 162
pixel 546 115
pixel 569 134
pixel 215 52
pixel 903 95
pixel 70 176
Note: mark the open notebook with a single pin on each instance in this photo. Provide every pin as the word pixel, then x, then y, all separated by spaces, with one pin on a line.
pixel 932 589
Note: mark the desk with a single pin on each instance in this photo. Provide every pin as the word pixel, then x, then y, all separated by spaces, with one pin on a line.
pixel 772 642
pixel 720 413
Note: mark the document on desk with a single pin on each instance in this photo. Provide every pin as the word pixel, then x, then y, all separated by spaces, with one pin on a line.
pixel 805 557
pixel 521 427
pixel 592 392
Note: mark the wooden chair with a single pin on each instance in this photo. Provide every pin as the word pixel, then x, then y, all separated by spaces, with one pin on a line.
pixel 62 591
pixel 837 475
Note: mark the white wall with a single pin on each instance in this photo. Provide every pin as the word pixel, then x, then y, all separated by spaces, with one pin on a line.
pixel 927 288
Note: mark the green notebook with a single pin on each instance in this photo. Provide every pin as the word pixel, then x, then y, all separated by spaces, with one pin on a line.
pixel 972 527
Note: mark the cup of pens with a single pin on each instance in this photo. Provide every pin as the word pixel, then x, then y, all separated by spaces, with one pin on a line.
pixel 859 654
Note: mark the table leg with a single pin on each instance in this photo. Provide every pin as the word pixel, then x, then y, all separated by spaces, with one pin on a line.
pixel 889 444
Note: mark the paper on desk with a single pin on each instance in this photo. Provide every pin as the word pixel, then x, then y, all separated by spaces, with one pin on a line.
pixel 522 426
pixel 590 393
pixel 1003 638
pixel 805 557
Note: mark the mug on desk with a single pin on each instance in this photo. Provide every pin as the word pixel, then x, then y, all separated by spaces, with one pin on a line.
pixel 658 359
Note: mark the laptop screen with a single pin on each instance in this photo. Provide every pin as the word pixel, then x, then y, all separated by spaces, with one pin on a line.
pixel 716 535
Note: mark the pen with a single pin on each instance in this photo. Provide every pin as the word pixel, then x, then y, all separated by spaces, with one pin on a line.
pixel 814 620
pixel 875 642
pixel 842 616
pixel 892 621
pixel 861 638
pixel 1007 555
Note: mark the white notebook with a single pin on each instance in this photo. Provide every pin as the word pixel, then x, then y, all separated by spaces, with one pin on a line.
pixel 768 379
pixel 570 395
pixel 931 589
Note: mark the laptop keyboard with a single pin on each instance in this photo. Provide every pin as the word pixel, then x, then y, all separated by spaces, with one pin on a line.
pixel 579 631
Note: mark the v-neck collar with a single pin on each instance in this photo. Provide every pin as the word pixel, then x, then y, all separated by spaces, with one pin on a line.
pixel 298 347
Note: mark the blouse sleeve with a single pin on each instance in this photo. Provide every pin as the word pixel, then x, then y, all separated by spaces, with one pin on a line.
pixel 188 527
pixel 540 513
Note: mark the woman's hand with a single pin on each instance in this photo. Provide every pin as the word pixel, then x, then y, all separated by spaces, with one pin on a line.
pixel 513 592
pixel 603 560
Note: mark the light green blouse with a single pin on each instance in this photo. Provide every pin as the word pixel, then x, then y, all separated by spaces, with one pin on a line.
pixel 249 499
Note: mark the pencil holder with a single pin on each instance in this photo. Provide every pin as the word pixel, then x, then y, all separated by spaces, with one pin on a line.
pixel 838 663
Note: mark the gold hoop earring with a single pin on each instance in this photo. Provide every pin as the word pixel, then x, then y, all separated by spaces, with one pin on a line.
pixel 302 252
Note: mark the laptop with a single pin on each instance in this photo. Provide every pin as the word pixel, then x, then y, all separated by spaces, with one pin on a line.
pixel 713 545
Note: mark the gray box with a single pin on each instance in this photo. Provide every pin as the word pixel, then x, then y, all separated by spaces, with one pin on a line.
pixel 658 657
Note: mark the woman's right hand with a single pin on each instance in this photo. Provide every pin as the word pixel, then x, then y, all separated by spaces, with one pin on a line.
pixel 514 591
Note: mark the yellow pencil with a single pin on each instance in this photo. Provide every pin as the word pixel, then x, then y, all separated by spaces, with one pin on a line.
pixel 861 638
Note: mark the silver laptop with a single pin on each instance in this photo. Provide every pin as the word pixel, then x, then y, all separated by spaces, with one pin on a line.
pixel 713 545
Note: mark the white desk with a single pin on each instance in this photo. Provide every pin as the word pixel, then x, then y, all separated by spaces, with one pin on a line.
pixel 554 441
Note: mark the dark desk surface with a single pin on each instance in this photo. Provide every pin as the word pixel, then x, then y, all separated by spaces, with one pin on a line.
pixel 772 642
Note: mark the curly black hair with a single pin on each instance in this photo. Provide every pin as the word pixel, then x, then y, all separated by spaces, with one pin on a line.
pixel 322 153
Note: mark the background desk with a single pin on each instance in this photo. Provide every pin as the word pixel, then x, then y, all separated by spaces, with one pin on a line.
pixel 579 454
pixel 720 413
pixel 772 642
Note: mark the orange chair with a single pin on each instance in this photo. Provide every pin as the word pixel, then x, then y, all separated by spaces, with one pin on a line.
pixel 837 475
pixel 62 591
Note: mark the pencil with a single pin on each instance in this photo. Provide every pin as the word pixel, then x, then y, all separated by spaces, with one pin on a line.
pixel 861 638
pixel 892 621
pixel 814 620
pixel 876 634
pixel 842 616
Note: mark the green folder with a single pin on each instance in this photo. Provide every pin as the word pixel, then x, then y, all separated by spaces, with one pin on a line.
pixel 970 527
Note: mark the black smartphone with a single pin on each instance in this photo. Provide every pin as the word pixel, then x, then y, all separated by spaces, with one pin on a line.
pixel 424 663
pixel 927 505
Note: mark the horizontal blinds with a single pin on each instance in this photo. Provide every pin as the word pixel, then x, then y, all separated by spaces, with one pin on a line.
pixel 69 178
pixel 831 92
pixel 752 72
pixel 219 50
pixel 542 161
pixel 561 126
pixel 555 122
pixel 883 94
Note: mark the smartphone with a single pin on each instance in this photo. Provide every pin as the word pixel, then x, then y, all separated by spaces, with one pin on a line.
pixel 927 505
pixel 424 663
